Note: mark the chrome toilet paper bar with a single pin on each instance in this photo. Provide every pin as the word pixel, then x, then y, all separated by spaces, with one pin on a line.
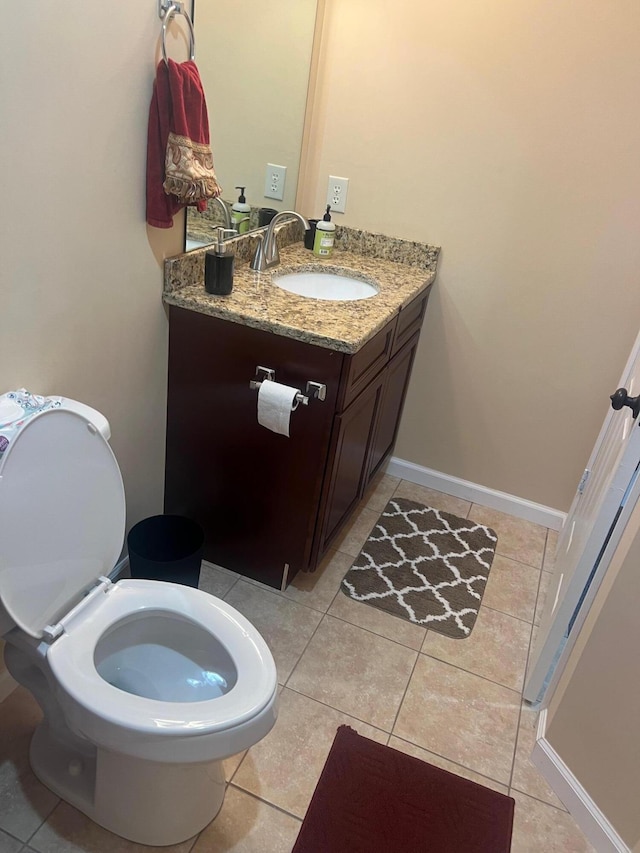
pixel 315 390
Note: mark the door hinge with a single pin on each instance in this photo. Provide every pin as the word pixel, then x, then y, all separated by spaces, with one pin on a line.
pixel 583 481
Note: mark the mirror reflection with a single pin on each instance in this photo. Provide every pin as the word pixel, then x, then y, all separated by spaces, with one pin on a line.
pixel 254 60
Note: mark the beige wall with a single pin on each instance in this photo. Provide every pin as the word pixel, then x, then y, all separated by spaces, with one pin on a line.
pixel 81 312
pixel 593 717
pixel 507 132
pixel 254 60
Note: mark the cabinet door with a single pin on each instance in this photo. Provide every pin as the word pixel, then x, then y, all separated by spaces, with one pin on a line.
pixel 348 454
pixel 255 493
pixel 389 411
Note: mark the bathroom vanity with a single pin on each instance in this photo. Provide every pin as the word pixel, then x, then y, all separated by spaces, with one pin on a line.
pixel 273 505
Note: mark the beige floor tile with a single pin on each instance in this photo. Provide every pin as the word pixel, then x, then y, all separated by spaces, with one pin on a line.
pixel 496 649
pixel 285 625
pixel 69 831
pixel 532 645
pixel 526 777
pixel 445 764
pixel 512 588
pixel 380 491
pixel 19 716
pixel 460 716
pixel 351 540
pixel 432 498
pixel 518 539
pixel 317 589
pixel 373 619
pixel 215 580
pixel 247 825
pixel 539 827
pixel 354 671
pixel 8 844
pixel 284 767
pixel 549 563
pixel 24 801
pixel 232 763
pixel 545 581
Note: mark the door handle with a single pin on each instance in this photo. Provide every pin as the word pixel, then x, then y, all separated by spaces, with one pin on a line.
pixel 621 398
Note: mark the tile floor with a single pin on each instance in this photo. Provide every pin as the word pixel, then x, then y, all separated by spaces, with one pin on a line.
pixel 454 703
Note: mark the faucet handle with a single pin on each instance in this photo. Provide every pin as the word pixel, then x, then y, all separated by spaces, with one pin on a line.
pixel 257 262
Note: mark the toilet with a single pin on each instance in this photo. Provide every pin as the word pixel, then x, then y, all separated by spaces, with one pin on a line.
pixel 145 686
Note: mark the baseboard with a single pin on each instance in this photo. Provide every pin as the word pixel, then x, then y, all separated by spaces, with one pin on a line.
pixel 521 508
pixel 593 823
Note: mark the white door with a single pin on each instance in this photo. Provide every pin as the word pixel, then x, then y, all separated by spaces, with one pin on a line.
pixel 590 528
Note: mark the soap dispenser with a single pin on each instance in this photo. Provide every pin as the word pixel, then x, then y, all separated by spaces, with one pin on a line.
pixel 325 236
pixel 218 265
pixel 240 211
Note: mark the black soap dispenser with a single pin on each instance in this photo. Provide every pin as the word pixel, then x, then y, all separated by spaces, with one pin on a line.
pixel 218 266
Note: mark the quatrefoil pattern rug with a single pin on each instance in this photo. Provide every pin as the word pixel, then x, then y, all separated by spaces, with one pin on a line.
pixel 424 565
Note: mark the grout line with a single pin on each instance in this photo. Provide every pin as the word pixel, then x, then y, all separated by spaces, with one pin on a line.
pixel 404 694
pixel 505 613
pixel 375 633
pixel 295 666
pixel 340 711
pixel 446 758
pixel 475 674
pixel 266 802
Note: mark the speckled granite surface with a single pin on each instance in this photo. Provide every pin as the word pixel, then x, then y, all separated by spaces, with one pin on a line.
pixel 399 268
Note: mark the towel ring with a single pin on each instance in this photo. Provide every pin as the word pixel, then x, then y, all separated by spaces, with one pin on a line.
pixel 166 13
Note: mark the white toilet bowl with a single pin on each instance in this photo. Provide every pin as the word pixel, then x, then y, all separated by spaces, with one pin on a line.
pixel 145 686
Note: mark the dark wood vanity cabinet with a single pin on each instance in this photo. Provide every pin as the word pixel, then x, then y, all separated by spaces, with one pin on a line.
pixel 270 505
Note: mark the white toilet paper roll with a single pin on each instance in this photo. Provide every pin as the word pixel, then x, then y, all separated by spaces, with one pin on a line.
pixel 275 404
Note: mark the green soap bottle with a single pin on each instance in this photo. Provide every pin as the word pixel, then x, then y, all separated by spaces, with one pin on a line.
pixel 240 212
pixel 325 236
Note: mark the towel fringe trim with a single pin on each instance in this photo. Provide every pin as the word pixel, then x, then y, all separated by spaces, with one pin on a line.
pixel 189 173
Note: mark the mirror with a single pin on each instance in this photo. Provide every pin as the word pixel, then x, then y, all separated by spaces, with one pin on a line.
pixel 254 60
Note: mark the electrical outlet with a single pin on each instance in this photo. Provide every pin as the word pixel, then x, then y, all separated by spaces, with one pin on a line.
pixel 337 193
pixel 274 181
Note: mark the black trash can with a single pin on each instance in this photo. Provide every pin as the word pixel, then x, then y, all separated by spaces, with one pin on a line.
pixel 166 548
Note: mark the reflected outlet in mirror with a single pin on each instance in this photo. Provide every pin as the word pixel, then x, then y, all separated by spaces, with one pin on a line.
pixel 254 60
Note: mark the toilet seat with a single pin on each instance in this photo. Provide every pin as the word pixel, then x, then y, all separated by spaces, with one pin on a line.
pixel 62 522
pixel 62 514
pixel 104 711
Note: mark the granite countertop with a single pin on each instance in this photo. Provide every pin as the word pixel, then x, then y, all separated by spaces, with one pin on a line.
pixel 343 326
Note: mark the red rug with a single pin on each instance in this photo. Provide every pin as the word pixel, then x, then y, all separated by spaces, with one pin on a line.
pixel 371 798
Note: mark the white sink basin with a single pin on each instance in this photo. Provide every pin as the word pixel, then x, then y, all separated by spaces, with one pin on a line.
pixel 325 285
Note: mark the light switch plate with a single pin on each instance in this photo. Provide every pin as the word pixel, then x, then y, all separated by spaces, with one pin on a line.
pixel 274 181
pixel 337 193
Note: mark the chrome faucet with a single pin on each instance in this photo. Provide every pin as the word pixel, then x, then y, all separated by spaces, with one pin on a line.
pixel 267 255
pixel 225 212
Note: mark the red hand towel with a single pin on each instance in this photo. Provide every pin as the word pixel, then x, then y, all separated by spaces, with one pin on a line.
pixel 179 160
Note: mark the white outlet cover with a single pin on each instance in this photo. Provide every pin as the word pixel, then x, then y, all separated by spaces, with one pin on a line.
pixel 274 181
pixel 337 193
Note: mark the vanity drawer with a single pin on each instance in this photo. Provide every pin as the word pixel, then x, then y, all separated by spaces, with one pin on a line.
pixel 410 320
pixel 365 364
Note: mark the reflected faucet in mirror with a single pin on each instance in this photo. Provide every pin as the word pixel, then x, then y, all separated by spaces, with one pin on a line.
pixel 226 214
pixel 267 254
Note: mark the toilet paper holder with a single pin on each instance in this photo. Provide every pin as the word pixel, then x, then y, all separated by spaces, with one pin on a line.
pixel 314 390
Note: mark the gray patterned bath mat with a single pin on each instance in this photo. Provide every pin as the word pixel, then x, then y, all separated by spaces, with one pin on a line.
pixel 424 565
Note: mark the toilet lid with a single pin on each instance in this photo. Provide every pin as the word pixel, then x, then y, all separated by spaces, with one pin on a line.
pixel 62 516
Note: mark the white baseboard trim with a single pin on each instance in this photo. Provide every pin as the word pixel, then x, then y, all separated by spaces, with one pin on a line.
pixel 593 823
pixel 521 508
